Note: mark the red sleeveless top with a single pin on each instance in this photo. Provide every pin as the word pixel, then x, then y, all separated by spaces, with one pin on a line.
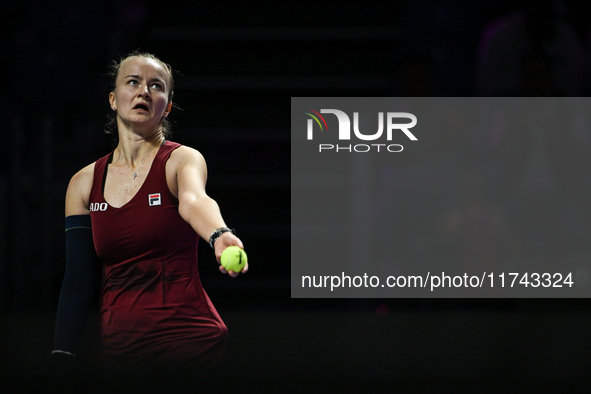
pixel 152 304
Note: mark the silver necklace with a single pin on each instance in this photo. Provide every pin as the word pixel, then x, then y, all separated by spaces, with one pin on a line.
pixel 140 167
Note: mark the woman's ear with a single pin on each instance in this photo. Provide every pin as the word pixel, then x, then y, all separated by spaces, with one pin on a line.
pixel 168 109
pixel 112 101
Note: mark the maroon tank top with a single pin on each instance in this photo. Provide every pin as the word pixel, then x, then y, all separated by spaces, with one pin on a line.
pixel 152 304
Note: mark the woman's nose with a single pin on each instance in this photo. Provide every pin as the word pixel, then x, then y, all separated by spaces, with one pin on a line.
pixel 144 92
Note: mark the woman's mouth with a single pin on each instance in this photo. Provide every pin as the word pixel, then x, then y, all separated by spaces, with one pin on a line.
pixel 141 107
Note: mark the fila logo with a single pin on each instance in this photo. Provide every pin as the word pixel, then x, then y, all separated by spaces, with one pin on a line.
pixel 154 199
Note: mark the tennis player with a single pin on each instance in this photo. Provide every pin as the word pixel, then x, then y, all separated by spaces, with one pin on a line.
pixel 141 209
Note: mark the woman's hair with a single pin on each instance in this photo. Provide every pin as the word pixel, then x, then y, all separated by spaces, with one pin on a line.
pixel 111 126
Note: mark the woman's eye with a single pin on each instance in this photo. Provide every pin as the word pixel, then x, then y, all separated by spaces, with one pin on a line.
pixel 132 82
pixel 157 86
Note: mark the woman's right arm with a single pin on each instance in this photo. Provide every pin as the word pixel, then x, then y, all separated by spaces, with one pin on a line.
pixel 77 290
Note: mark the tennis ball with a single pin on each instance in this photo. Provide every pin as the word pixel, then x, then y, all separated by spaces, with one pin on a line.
pixel 233 258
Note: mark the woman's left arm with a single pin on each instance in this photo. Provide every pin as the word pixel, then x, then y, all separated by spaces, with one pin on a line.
pixel 195 206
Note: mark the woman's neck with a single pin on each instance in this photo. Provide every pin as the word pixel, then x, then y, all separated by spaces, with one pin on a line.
pixel 134 148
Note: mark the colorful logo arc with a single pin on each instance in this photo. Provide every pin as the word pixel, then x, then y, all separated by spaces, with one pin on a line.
pixel 315 118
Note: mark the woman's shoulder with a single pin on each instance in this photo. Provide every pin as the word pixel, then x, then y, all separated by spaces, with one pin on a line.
pixel 185 163
pixel 184 154
pixel 84 175
pixel 78 193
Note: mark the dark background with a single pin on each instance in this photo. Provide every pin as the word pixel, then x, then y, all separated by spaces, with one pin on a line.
pixel 238 67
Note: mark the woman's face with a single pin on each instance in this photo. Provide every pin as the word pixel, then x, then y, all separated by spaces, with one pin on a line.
pixel 141 93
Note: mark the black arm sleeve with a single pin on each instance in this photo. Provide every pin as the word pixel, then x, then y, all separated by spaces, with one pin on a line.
pixel 78 286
